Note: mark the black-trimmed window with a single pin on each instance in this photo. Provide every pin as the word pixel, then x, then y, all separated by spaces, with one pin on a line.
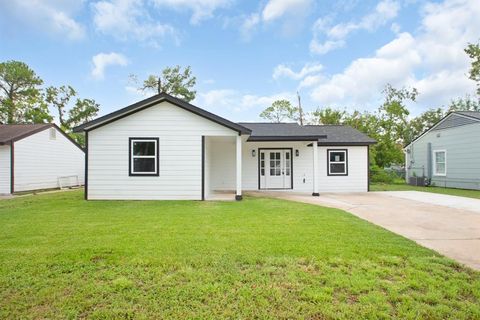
pixel 337 162
pixel 143 157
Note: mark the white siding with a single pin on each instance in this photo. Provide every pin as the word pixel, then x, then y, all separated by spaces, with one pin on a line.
pixel 179 132
pixel 302 165
pixel 357 179
pixel 222 164
pixel 40 161
pixel 4 169
pixel 223 167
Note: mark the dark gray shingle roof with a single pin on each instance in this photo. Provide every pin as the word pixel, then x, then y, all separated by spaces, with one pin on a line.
pixel 12 132
pixel 146 103
pixel 325 134
pixel 473 114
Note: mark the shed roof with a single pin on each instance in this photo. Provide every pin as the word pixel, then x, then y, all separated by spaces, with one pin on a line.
pixel 325 134
pixel 13 132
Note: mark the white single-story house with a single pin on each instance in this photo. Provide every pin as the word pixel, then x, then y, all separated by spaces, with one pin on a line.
pixel 38 156
pixel 164 148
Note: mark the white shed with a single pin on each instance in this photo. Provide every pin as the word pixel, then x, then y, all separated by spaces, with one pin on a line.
pixel 38 156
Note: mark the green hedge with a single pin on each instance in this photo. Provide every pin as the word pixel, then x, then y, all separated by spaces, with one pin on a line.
pixel 379 175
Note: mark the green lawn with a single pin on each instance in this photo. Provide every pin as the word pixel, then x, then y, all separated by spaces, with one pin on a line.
pixel 62 257
pixel 405 187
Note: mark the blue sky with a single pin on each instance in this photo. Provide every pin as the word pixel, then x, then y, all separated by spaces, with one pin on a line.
pixel 247 54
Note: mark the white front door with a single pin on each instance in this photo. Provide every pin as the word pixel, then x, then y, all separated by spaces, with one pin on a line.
pixel 275 168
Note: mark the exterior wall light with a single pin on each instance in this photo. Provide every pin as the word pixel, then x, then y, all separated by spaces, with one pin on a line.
pixel 297 153
pixel 253 153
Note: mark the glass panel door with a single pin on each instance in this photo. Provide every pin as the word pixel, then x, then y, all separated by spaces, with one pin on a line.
pixel 275 169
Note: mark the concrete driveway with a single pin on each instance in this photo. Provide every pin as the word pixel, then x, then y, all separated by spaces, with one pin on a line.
pixel 449 225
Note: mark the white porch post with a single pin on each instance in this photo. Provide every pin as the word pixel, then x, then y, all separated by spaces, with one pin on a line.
pixel 238 194
pixel 315 169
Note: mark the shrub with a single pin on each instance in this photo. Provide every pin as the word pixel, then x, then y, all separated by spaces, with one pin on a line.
pixel 379 175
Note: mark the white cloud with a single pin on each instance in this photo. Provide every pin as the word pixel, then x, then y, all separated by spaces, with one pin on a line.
pixel 102 60
pixel 248 25
pixel 129 20
pixel 432 60
pixel 327 46
pixel 201 9
pixel 365 77
pixel 52 16
pixel 275 9
pixel 208 81
pixel 293 11
pixel 395 27
pixel 335 35
pixel 226 101
pixel 284 71
pixel 310 81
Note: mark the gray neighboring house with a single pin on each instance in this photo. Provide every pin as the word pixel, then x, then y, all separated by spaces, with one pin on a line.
pixel 448 154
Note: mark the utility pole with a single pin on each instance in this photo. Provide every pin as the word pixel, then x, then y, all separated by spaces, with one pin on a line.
pixel 300 111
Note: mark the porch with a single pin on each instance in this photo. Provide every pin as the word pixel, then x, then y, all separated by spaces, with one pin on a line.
pixel 233 165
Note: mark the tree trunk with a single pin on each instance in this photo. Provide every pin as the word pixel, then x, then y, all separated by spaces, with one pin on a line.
pixel 11 109
pixel 60 117
pixel 300 111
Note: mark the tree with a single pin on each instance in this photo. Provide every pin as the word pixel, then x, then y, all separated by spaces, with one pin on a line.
pixel 20 96
pixel 394 114
pixel 278 111
pixel 367 123
pixel 172 81
pixel 473 51
pixel 328 116
pixel 59 98
pixel 393 125
pixel 37 113
pixel 83 111
pixel 423 122
pixel 464 104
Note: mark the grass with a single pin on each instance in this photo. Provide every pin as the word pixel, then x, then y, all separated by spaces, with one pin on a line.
pixel 62 257
pixel 402 186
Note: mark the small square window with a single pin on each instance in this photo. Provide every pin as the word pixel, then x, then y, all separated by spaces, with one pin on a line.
pixel 337 162
pixel 143 157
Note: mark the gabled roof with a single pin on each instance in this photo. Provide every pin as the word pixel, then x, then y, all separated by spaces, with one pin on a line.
pixel 324 134
pixel 149 102
pixel 473 116
pixel 258 131
pixel 13 132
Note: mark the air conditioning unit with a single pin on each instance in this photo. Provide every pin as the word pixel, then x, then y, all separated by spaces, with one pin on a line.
pixel 417 181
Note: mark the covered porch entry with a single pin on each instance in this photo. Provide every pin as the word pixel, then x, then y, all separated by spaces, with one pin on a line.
pixel 234 164
pixel 222 167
